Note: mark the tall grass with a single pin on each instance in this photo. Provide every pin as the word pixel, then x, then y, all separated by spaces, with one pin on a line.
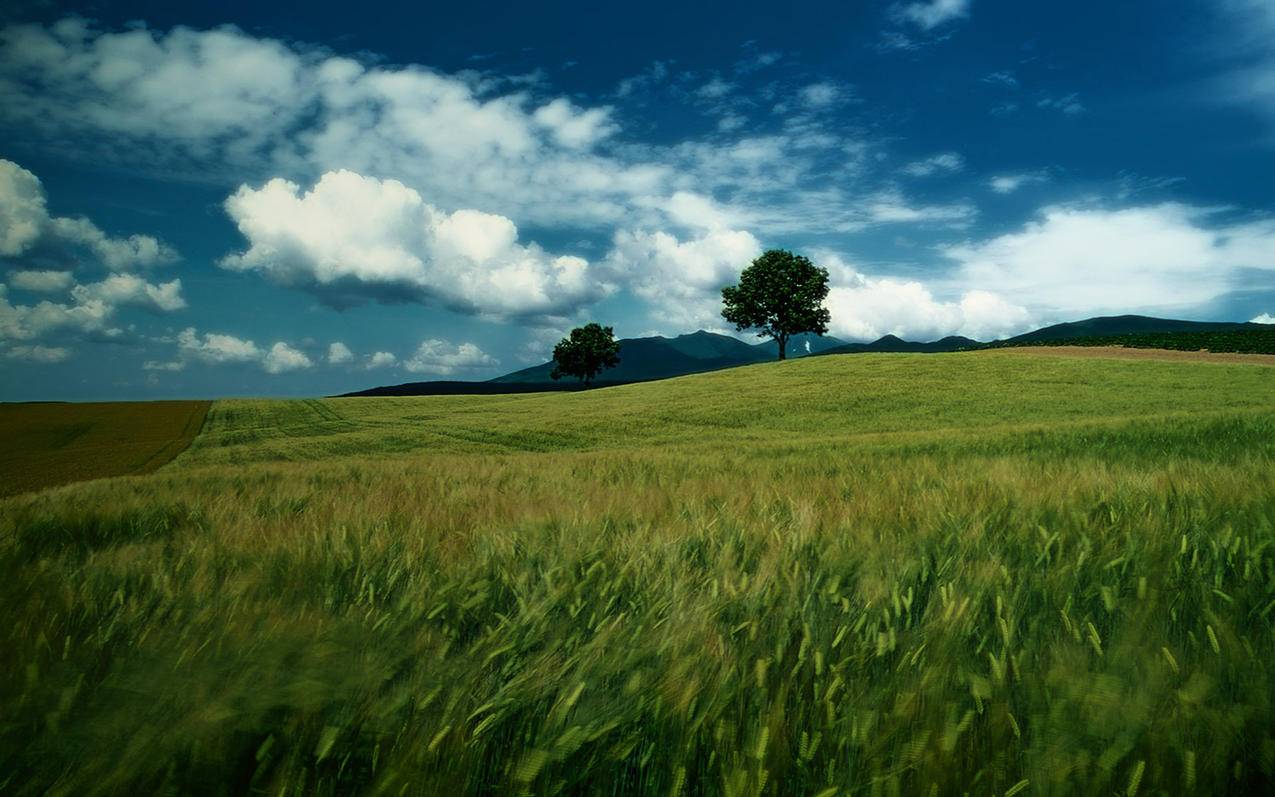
pixel 718 593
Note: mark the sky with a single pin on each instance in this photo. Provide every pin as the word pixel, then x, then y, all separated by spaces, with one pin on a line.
pixel 214 199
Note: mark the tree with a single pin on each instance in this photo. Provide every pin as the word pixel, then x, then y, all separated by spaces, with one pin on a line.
pixel 780 295
pixel 587 352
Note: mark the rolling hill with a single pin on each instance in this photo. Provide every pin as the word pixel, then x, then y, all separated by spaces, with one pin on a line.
pixel 644 359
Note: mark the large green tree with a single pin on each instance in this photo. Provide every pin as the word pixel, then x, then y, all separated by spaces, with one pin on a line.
pixel 588 351
pixel 779 295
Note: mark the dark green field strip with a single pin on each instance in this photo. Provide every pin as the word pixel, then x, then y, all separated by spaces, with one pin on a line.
pixel 45 445
pixel 1256 341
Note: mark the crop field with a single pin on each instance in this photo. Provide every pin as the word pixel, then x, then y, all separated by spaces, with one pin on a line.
pixel 51 444
pixel 984 573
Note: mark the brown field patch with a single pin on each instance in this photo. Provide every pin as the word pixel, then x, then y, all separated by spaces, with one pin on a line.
pixel 50 444
pixel 1124 353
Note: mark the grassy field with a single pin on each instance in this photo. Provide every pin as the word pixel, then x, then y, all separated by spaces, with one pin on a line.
pixel 51 444
pixel 990 573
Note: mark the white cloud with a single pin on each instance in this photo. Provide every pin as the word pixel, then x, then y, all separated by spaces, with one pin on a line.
pixel 933 13
pixel 381 359
pixel 444 359
pixel 1264 318
pixel 23 214
pixel 1004 79
pixel 715 89
pixel 224 105
pixel 216 348
pixel 129 289
pixel 353 238
pixel 117 254
pixel 1087 260
pixel 891 207
pixel 25 223
pixel 37 354
pixel 339 353
pixel 1069 104
pixel 865 308
pixel 681 280
pixel 944 163
pixel 42 281
pixel 820 95
pixel 574 127
pixel 92 307
pixel 1009 183
pixel 283 358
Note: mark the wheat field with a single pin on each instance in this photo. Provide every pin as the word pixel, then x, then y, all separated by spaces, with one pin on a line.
pixel 984 573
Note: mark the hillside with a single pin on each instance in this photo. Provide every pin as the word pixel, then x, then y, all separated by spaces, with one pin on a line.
pixel 801 573
pixel 657 357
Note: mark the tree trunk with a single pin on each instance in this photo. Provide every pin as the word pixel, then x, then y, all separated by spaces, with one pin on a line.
pixel 783 346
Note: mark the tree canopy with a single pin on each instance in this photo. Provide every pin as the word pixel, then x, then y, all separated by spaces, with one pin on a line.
pixel 779 295
pixel 588 351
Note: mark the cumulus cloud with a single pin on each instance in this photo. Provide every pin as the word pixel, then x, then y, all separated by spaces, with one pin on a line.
pixel 681 279
pixel 25 223
pixel 37 354
pixel 42 281
pixel 283 358
pixel 1086 260
pixel 91 309
pixel 933 13
pixel 1264 318
pixel 352 238
pixel 129 289
pixel 943 163
pixel 215 348
pixel 866 307
pixel 381 359
pixel 339 353
pixel 441 358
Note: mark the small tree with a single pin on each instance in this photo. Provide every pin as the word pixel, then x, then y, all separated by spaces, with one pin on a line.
pixel 587 352
pixel 780 295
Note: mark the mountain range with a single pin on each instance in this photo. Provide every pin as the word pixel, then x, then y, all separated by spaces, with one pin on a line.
pixel 643 359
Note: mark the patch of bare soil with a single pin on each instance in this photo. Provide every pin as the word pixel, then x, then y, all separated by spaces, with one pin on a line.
pixel 1120 352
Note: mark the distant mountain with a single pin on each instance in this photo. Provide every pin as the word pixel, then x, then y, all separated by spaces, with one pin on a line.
pixel 660 358
pixel 801 345
pixel 1105 326
pixel 893 344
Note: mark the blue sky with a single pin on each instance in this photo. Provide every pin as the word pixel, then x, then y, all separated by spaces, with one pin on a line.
pixel 204 199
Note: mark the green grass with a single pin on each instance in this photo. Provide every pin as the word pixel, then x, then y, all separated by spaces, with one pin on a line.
pixel 983 573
